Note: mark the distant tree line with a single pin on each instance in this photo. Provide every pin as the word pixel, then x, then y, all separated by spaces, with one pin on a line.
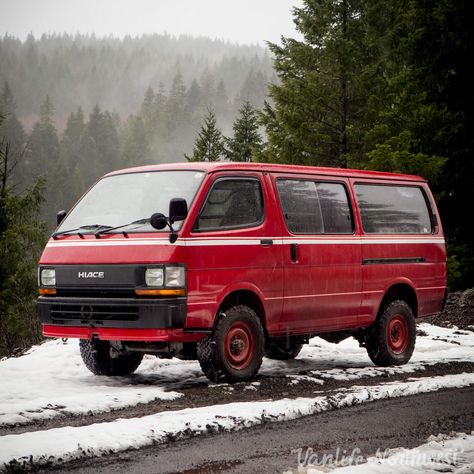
pixel 84 70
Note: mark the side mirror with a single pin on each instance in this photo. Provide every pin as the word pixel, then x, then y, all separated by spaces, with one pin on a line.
pixel 178 210
pixel 158 221
pixel 60 216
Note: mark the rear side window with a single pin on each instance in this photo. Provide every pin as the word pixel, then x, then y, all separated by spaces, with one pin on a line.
pixel 311 207
pixel 232 203
pixel 393 209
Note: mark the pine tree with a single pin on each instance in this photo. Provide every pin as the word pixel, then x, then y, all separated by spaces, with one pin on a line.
pixel 176 104
pixel 207 89
pixel 222 105
pixel 254 89
pixel 43 142
pixel 22 237
pixel 193 95
pixel 147 105
pixel 73 159
pixel 209 144
pixel 11 127
pixel 136 149
pixel 101 143
pixel 246 140
pixel 325 82
pixel 13 131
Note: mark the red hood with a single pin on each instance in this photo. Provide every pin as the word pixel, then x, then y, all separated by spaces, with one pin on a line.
pixel 139 248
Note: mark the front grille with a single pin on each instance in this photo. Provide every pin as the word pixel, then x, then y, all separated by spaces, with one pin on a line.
pixel 96 292
pixel 91 312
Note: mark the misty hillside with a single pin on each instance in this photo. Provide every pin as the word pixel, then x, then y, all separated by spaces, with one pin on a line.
pixel 83 70
pixel 77 107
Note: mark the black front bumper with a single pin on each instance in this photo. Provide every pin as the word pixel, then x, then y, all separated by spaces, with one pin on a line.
pixel 169 313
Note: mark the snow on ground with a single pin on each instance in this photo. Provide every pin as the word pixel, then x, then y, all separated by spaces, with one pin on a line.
pixel 452 453
pixel 348 361
pixel 51 380
pixel 65 444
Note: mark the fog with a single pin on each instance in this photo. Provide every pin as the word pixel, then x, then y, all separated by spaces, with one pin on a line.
pixel 243 21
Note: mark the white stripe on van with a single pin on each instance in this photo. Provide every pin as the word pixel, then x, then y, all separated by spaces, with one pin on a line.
pixel 363 241
pixel 218 241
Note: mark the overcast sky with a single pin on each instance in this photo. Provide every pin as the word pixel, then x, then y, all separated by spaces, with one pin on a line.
pixel 242 21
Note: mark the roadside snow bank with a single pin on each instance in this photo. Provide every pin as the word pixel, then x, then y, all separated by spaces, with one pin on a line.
pixel 443 453
pixel 60 445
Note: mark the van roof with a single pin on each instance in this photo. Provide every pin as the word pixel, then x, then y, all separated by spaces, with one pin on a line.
pixel 269 167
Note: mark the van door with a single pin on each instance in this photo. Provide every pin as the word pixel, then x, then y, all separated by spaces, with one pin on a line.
pixel 232 247
pixel 321 254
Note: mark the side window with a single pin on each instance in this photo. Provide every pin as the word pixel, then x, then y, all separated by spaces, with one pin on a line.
pixel 393 209
pixel 315 208
pixel 232 203
pixel 335 208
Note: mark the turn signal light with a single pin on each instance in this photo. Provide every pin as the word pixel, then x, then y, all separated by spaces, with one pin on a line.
pixel 47 291
pixel 163 292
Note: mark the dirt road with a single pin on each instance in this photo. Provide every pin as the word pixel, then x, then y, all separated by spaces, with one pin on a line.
pixel 407 422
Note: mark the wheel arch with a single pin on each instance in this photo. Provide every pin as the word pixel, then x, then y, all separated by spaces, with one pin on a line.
pixel 245 296
pixel 402 290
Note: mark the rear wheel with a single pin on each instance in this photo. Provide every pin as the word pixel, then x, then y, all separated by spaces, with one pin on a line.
pixel 97 358
pixel 392 338
pixel 234 351
pixel 283 349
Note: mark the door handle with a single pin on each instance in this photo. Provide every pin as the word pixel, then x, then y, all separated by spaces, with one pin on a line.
pixel 294 252
pixel 266 242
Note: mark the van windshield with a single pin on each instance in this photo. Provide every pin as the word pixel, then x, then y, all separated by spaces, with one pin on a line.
pixel 125 198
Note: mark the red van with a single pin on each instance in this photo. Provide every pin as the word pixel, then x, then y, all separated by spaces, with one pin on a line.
pixel 228 262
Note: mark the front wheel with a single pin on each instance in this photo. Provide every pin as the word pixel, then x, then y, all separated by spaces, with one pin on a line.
pixel 234 351
pixel 97 358
pixel 392 338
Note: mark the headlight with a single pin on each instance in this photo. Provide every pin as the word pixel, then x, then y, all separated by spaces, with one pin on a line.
pixel 154 276
pixel 175 277
pixel 48 277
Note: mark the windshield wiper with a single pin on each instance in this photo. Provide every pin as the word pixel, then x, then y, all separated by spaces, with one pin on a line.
pixel 82 227
pixel 110 229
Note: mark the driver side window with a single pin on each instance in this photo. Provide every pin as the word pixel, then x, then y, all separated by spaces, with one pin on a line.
pixel 232 204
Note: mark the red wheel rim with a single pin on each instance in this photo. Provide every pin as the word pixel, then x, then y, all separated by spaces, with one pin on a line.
pixel 397 334
pixel 239 345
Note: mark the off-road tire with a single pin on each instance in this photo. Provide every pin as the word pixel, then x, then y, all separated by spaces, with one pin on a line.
pixel 216 361
pixel 96 357
pixel 392 338
pixel 283 350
